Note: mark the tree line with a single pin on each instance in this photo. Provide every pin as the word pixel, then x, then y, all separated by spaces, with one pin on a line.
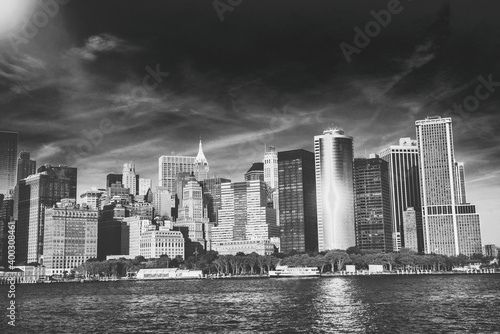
pixel 254 264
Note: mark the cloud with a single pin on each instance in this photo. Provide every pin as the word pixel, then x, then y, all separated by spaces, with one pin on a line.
pixel 94 45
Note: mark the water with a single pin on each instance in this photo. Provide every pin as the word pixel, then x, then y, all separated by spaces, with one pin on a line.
pixel 388 304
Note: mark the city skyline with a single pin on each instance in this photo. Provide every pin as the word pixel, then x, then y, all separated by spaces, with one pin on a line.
pixel 245 98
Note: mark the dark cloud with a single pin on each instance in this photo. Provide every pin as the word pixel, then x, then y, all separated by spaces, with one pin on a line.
pixel 270 73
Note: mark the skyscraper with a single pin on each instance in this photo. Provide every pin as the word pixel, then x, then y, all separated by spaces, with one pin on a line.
pixel 212 196
pixel 8 161
pixel 25 166
pixel 460 170
pixel 200 167
pixel 145 185
pixel 70 236
pixel 129 177
pixel 372 204
pixel 450 227
pixel 36 193
pixel 410 228
pixel 271 177
pixel 333 153
pixel 244 215
pixel 405 188
pixel 297 201
pixel 169 167
pixel 256 172
pixel 6 216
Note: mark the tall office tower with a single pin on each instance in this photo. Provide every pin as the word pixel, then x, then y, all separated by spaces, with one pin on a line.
pixel 372 204
pixel 6 216
pixel 25 166
pixel 297 201
pixel 145 185
pixel 163 202
pixel 8 161
pixel 112 237
pixel 169 167
pixel 460 182
pixel 70 236
pixel 63 172
pixel 137 225
pixel 191 207
pixel 200 167
pixel 129 177
pixel 256 172
pixel 113 178
pixel 405 188
pixel 92 198
pixel 450 227
pixel 244 214
pixel 410 228
pixel 212 196
pixel 271 177
pixel 333 153
pixel 36 192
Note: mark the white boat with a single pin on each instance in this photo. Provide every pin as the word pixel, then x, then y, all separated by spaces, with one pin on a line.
pixel 285 271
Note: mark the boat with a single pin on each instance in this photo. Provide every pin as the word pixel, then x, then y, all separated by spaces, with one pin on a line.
pixel 285 271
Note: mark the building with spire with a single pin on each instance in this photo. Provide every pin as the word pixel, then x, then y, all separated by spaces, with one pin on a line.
pixel 200 167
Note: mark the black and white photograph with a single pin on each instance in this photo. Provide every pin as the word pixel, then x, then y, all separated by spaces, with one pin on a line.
pixel 249 166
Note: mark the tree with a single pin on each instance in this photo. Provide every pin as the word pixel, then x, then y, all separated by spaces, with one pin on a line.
pixel 342 259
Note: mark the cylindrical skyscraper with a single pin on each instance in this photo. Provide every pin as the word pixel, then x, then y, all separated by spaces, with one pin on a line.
pixel 334 190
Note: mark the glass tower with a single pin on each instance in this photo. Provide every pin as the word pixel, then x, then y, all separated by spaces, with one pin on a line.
pixel 297 201
pixel 333 153
pixel 8 161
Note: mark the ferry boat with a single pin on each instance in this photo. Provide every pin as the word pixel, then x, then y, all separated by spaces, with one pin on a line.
pixel 285 271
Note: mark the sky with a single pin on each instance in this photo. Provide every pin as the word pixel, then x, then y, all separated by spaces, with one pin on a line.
pixel 95 84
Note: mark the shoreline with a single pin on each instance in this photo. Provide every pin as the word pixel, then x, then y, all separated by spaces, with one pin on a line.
pixel 233 277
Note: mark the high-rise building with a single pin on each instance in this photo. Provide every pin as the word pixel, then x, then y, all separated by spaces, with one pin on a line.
pixel 6 216
pixel 70 236
pixel 145 185
pixel 460 186
pixel 170 167
pixel 191 207
pixel 35 194
pixel 256 172
pixel 63 172
pixel 372 204
pixel 271 177
pixel 490 251
pixel 163 202
pixel 113 178
pixel 410 228
pixel 212 196
pixel 244 214
pixel 297 201
pixel 112 237
pixel 25 166
pixel 8 161
pixel 333 153
pixel 200 167
pixel 450 227
pixel 128 178
pixel 405 188
pixel 137 225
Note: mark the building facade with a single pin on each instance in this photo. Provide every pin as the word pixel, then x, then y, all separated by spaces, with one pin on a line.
pixel 35 194
pixel 25 166
pixel 450 227
pixel 244 214
pixel 170 167
pixel 333 153
pixel 8 161
pixel 128 178
pixel 155 243
pixel 297 201
pixel 201 168
pixel 372 204
pixel 411 239
pixel 145 185
pixel 255 172
pixel 404 177
pixel 70 237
